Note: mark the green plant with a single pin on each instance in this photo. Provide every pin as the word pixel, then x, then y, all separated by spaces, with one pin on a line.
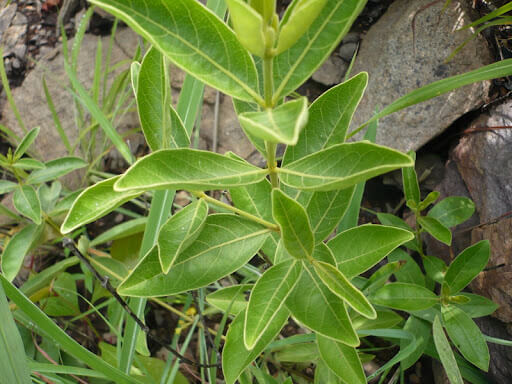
pixel 285 212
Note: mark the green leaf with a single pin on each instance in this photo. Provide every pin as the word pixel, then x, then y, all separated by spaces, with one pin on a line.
pixel 13 362
pixel 326 209
pixel 452 211
pixel 405 297
pixel 358 249
pixel 430 199
pixel 342 360
pixel 410 182
pixel 233 297
pixel 342 166
pixel 340 286
pixel 173 27
pixel 436 229
pixel 445 353
pixel 466 336
pixel 477 306
pixel 267 297
pixel 315 306
pixel 408 273
pixel 180 231
pixel 120 231
pixel 421 329
pixel 282 124
pixel 55 169
pixel 26 142
pixel 48 196
pixel 65 302
pixel 7 186
pixel 293 221
pixel 27 203
pixel 188 169
pixel 226 243
pixel 385 319
pixel 47 328
pixel 298 22
pixel 329 118
pixel 499 69
pixel 467 265
pixel 325 375
pixel 95 202
pixel 235 357
pixel 153 100
pixel 248 26
pixel 28 163
pixel 297 64
pixel 297 353
pixel 434 267
pixel 394 221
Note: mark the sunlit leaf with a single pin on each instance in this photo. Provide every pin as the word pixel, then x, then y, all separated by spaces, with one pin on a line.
pixel 226 243
pixel 315 306
pixel 405 297
pixel 342 166
pixel 188 169
pixel 296 232
pixel 282 124
pixel 267 297
pixel 27 203
pixel 180 231
pixel 466 266
pixel 466 336
pixel 235 356
pixel 173 28
pixel 95 202
pixel 56 168
pixel 340 286
pixel 358 249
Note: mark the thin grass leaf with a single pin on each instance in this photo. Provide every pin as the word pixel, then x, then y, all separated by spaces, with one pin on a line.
pixel 56 120
pixel 65 342
pixel 13 363
pixel 500 69
pixel 99 116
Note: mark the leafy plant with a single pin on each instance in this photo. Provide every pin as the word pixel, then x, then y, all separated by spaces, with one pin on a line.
pixel 286 213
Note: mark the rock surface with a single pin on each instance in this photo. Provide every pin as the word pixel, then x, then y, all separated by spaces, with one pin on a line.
pixel 484 160
pixel 31 102
pixel 480 167
pixel 397 66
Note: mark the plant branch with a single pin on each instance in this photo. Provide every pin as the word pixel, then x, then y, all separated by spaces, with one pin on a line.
pixel 209 199
pixel 105 283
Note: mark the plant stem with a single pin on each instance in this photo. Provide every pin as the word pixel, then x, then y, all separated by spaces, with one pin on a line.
pixel 272 163
pixel 268 80
pixel 208 199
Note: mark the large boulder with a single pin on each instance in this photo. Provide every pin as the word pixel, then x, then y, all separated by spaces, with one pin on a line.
pixel 398 64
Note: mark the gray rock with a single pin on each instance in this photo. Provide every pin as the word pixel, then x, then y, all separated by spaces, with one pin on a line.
pixel 351 37
pixel 331 72
pixel 31 101
pixel 396 69
pixel 484 160
pixel 347 51
pixel 6 16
